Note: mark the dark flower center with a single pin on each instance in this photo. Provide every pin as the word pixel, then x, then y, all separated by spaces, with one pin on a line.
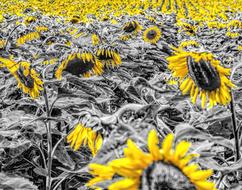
pixel 28 81
pixel 78 67
pixel 151 34
pixel 130 27
pixel 162 176
pixel 105 55
pixel 203 74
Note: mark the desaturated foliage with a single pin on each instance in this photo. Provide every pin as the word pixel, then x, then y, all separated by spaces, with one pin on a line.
pixel 120 95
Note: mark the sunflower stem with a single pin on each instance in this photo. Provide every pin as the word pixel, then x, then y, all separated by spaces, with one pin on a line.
pixel 49 141
pixel 234 128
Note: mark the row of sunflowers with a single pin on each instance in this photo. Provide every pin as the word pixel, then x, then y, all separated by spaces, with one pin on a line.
pixel 120 95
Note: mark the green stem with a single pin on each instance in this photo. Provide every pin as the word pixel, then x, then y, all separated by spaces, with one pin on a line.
pixel 49 142
pixel 234 128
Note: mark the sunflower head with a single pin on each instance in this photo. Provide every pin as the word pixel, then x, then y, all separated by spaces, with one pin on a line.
pixel 160 167
pixel 95 39
pixel 200 74
pixel 109 56
pixel 189 43
pixel 152 35
pixel 2 43
pixel 188 28
pixel 27 37
pixel 82 63
pixel 75 19
pixel 83 136
pixel 27 78
pixel 41 28
pixel 30 19
pixel 132 26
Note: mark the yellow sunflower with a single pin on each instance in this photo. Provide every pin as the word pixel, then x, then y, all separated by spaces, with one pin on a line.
pixel 27 37
pixel 2 43
pixel 201 75
pixel 132 26
pixel 30 19
pixel 161 167
pixel 41 28
pixel 80 63
pixel 109 56
pixel 27 78
pixel 189 29
pixel 85 136
pixel 152 35
pixel 95 39
pixel 188 43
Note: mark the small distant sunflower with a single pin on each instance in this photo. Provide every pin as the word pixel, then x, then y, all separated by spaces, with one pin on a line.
pixel 160 168
pixel 189 43
pixel 109 56
pixel 75 19
pixel 27 37
pixel 152 35
pixel 50 61
pixel 2 43
pixel 82 135
pixel 201 75
pixel 189 29
pixel 30 19
pixel 233 34
pixel 27 78
pixel 80 63
pixel 41 28
pixel 132 26
pixel 95 39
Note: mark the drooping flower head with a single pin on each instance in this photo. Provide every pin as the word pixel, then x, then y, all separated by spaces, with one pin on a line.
pixel 152 35
pixel 27 78
pixel 109 56
pixel 83 63
pixel 201 75
pixel 159 168
pixel 83 136
pixel 95 39
pixel 132 26
pixel 27 37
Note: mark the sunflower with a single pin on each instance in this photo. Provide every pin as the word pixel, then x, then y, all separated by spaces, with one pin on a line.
pixel 109 56
pixel 85 136
pixel 80 63
pixel 152 35
pixel 188 43
pixel 95 39
pixel 27 37
pixel 75 19
pixel 189 29
pixel 201 74
pixel 132 26
pixel 2 43
pixel 233 34
pixel 27 78
pixel 30 19
pixel 41 28
pixel 160 167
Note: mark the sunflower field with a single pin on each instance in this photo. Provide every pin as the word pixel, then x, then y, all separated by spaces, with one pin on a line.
pixel 120 95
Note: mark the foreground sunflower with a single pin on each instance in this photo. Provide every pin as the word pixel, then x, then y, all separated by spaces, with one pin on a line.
pixel 80 63
pixel 152 35
pixel 27 78
pixel 85 136
pixel 109 56
pixel 201 75
pixel 164 168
